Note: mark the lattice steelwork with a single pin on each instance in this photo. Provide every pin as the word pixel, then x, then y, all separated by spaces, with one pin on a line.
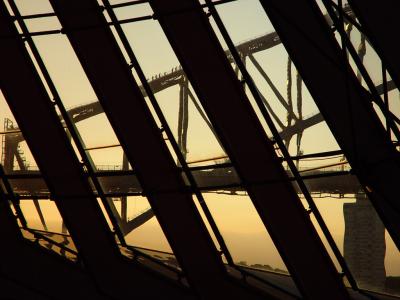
pixel 187 184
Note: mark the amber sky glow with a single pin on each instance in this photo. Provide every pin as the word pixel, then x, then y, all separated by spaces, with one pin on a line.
pixel 235 215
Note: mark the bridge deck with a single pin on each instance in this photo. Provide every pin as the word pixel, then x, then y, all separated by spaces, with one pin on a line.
pixel 31 184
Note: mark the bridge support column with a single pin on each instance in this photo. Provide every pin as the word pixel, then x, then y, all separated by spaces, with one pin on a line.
pixel 183 116
pixel 10 148
pixel 364 243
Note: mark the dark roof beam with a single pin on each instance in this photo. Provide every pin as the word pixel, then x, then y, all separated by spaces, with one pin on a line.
pixel 211 75
pixel 344 103
pixel 64 175
pixel 379 21
pixel 144 146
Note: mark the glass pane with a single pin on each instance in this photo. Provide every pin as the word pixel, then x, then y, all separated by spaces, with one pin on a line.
pixel 177 100
pixel 40 7
pixel 249 245
pixel 16 156
pixel 370 61
pixel 144 237
pixel 358 232
pixel 279 84
pixel 46 226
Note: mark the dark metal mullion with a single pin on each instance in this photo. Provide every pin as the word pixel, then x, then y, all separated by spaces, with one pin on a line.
pixel 271 111
pixel 70 125
pixel 180 117
pixel 371 86
pixel 9 225
pixel 60 31
pixel 40 213
pixel 318 53
pixel 345 58
pixel 202 114
pixel 35 33
pixel 349 19
pixel 263 280
pixel 130 3
pixel 39 235
pixel 125 107
pixel 156 261
pixel 218 2
pixel 64 176
pixel 378 21
pixel 21 261
pixel 386 98
pixel 272 86
pixel 36 16
pixel 13 198
pixel 12 248
pixel 185 120
pixel 170 135
pixel 189 43
pixel 283 148
pixel 386 209
pixel 124 199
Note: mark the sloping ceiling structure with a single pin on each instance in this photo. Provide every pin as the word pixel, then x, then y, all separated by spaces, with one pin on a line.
pixel 251 121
